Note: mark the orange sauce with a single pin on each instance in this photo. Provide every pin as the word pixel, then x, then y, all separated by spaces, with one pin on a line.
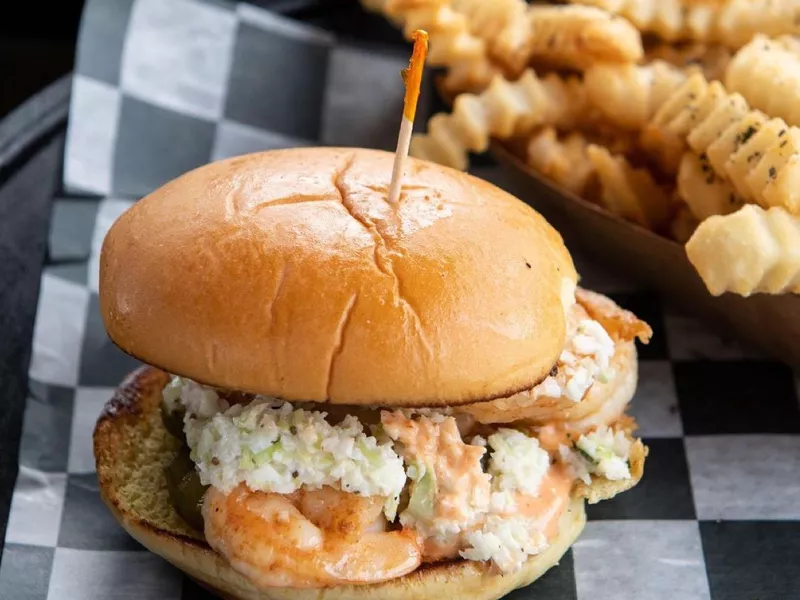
pixel 544 510
pixel 462 485
pixel 547 507
pixel 551 437
pixel 460 479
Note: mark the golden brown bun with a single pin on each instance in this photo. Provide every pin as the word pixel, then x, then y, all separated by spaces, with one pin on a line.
pixel 287 273
pixel 131 448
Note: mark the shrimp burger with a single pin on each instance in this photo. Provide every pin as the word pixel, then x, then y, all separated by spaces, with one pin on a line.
pixel 382 400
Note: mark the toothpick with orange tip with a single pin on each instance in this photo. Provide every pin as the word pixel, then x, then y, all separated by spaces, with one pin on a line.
pixel 412 77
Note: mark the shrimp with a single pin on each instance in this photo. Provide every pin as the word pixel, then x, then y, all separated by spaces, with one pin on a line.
pixel 600 403
pixel 621 325
pixel 311 538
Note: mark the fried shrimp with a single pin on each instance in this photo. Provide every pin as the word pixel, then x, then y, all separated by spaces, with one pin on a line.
pixel 620 324
pixel 602 397
pixel 311 538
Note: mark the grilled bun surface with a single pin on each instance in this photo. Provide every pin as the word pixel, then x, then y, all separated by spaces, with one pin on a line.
pixel 287 273
pixel 132 447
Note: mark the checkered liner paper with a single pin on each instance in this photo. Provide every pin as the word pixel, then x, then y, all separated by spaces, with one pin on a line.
pixel 165 85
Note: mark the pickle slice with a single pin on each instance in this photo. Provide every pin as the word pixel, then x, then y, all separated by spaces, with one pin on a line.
pixel 173 422
pixel 185 489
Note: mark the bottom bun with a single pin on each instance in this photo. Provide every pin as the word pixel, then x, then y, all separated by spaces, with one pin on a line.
pixel 132 447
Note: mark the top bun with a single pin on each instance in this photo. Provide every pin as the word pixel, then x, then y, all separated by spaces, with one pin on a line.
pixel 287 273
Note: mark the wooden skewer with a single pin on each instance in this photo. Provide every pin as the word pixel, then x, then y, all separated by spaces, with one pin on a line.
pixel 412 77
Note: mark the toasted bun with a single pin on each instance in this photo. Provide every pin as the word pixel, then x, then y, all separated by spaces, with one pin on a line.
pixel 287 273
pixel 132 447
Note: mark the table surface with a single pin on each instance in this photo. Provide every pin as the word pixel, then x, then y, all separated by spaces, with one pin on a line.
pixel 37 47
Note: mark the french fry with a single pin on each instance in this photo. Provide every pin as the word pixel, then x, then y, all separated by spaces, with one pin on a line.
pixel 571 37
pixel 767 74
pixel 738 21
pixel 452 45
pixel 713 105
pixel 758 155
pixel 612 138
pixel 711 60
pixel 577 37
pixel 670 20
pixel 732 23
pixel 501 23
pixel 629 95
pixel 629 192
pixel 664 137
pixel 563 161
pixel 789 43
pixel 502 110
pixel 750 251
pixel 704 192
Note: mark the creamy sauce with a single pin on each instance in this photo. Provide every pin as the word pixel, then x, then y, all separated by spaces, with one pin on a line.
pixel 462 486
pixel 551 437
pixel 463 489
pixel 434 550
pixel 544 510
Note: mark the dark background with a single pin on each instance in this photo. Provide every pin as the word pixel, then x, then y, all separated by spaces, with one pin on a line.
pixel 37 43
pixel 37 46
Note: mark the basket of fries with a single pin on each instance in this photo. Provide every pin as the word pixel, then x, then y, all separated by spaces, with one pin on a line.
pixel 661 135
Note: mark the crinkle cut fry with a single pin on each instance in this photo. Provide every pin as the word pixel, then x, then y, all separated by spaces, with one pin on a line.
pixel 663 138
pixel 758 155
pixel 704 192
pixel 767 74
pixel 502 110
pixel 629 192
pixel 731 23
pixel 578 37
pixel 750 251
pixel 501 23
pixel 710 59
pixel 565 161
pixel 629 95
pixel 572 37
pixel 738 21
pixel 452 45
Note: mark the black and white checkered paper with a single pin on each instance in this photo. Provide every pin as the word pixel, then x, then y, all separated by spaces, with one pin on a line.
pixel 163 86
